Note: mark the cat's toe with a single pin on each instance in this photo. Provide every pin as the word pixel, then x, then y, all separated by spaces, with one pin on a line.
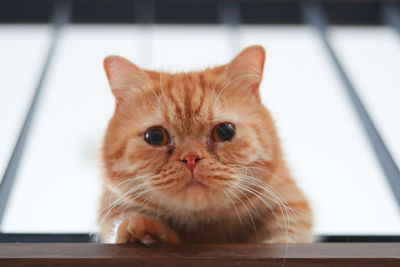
pixel 144 230
pixel 148 240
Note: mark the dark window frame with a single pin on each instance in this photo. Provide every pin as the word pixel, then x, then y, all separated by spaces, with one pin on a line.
pixel 28 248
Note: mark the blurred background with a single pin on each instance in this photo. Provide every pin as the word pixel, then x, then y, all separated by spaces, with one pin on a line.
pixel 331 81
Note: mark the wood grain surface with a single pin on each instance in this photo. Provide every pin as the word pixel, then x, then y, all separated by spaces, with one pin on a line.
pixel 337 254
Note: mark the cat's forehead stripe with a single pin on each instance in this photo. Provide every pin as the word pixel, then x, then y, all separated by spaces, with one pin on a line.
pixel 186 101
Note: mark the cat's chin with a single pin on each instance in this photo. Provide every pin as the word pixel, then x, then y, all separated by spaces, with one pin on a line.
pixel 194 183
pixel 194 195
pixel 194 190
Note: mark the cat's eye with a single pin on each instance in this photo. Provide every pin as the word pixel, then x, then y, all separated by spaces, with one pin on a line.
pixel 156 136
pixel 223 132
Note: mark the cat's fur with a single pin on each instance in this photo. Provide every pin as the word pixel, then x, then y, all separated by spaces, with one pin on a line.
pixel 246 192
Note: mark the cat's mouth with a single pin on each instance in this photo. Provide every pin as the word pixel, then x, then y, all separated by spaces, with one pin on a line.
pixel 194 182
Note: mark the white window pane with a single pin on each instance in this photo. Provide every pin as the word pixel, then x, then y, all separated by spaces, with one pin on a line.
pixel 22 55
pixel 58 184
pixel 371 57
pixel 324 143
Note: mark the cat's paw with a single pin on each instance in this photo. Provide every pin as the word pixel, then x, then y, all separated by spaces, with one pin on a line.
pixel 145 230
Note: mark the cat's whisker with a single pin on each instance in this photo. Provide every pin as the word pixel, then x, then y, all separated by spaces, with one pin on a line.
pixel 134 196
pixel 263 185
pixel 256 192
pixel 157 96
pixel 112 191
pixel 269 190
pixel 265 203
pixel 285 214
pixel 253 179
pixel 275 199
pixel 116 188
pixel 259 180
pixel 118 200
pixel 233 204
pixel 216 82
pixel 109 209
pixel 128 180
pixel 251 202
pixel 232 81
pixel 127 205
pixel 247 181
pixel 284 202
pixel 248 211
pixel 257 168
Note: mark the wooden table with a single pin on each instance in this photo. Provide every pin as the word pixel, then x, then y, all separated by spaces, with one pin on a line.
pixel 337 254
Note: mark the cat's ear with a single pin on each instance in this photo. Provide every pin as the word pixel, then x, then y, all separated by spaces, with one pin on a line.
pixel 124 76
pixel 246 68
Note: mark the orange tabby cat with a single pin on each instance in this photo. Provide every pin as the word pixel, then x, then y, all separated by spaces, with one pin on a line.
pixel 194 157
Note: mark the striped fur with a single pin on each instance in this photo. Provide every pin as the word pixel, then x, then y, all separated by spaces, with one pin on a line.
pixel 247 195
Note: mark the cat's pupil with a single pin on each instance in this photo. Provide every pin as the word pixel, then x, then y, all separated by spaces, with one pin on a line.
pixel 156 136
pixel 225 131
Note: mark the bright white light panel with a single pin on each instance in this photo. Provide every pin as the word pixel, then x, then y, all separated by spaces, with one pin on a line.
pixel 58 185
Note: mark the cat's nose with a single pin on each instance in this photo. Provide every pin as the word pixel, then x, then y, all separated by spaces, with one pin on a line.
pixel 191 160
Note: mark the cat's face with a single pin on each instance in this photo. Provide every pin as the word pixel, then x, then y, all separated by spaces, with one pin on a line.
pixel 182 141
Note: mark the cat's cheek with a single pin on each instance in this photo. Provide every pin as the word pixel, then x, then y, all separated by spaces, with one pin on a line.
pixel 238 152
pixel 148 158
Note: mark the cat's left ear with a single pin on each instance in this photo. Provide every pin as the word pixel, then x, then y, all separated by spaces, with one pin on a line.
pixel 124 76
pixel 246 69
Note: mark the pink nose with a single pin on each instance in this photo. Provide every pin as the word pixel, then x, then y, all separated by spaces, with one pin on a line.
pixel 191 161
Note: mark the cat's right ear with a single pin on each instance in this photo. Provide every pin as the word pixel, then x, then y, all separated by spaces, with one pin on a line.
pixel 124 76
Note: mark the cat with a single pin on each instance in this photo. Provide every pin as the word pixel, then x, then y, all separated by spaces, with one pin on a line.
pixel 195 158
